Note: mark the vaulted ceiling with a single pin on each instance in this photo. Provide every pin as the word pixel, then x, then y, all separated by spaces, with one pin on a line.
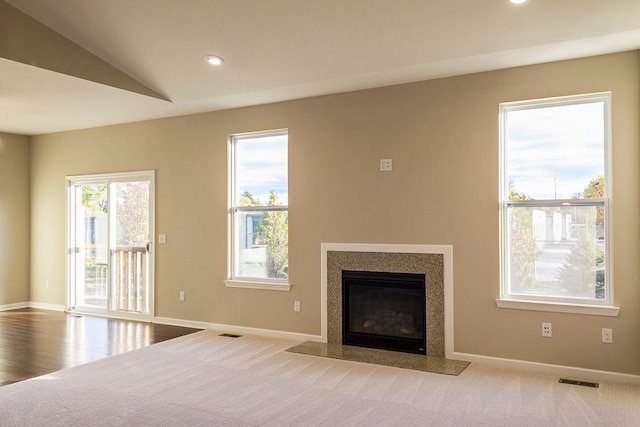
pixel 72 64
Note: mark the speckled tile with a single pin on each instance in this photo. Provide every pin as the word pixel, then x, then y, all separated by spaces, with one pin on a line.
pixel 417 362
pixel 432 265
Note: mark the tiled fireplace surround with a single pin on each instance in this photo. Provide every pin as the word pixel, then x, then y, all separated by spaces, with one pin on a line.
pixel 426 259
pixel 436 262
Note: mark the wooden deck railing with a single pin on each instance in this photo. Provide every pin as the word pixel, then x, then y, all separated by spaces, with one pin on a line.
pixel 131 270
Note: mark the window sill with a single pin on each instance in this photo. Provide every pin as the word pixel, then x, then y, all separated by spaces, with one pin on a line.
pixel 249 284
pixel 557 307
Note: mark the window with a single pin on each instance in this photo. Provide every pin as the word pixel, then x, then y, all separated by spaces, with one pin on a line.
pixel 259 221
pixel 555 201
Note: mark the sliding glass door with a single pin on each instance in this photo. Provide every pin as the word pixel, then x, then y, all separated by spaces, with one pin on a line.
pixel 110 224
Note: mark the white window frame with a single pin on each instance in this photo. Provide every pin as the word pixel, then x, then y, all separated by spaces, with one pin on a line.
pixel 71 289
pixel 548 303
pixel 232 280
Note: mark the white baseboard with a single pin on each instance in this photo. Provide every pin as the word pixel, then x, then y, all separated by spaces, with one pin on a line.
pixel 45 306
pixel 237 329
pixel 15 306
pixel 545 368
pixel 32 304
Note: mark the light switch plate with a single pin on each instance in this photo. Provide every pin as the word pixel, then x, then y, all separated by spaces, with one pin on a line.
pixel 385 165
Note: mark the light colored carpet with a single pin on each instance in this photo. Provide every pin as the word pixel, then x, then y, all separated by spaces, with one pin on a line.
pixel 203 379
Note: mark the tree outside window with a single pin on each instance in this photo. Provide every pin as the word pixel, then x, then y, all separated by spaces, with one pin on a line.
pixel 555 199
pixel 259 211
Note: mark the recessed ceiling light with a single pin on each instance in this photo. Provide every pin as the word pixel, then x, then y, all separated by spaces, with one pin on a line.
pixel 518 1
pixel 213 60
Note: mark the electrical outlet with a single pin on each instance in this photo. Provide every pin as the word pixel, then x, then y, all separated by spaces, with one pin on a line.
pixel 181 295
pixel 296 306
pixel 546 330
pixel 607 335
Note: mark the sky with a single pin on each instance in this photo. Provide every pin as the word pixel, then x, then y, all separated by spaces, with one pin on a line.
pixel 554 152
pixel 262 167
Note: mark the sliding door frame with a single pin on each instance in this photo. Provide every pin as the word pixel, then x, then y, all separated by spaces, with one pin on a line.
pixel 108 178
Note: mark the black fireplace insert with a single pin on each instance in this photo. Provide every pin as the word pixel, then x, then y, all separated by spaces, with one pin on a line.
pixel 384 310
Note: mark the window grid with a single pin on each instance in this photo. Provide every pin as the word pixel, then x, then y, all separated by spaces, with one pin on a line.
pixel 583 220
pixel 258 212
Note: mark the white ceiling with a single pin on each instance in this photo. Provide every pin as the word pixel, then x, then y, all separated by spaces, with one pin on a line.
pixel 276 50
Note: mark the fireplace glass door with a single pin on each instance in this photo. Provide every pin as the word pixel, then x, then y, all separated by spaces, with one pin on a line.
pixel 384 310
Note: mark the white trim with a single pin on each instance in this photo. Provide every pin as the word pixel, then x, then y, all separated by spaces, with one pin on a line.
pixel 113 314
pixel 557 307
pixel 445 250
pixel 14 306
pixel 109 178
pixel 46 306
pixel 233 207
pixel 504 204
pixel 254 284
pixel 549 369
pixel 32 304
pixel 237 329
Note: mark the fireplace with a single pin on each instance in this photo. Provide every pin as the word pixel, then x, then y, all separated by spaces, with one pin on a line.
pixel 434 263
pixel 385 310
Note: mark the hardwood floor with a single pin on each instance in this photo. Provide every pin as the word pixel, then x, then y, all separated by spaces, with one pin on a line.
pixel 35 342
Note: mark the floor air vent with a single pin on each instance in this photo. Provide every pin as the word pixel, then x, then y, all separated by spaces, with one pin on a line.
pixel 582 383
pixel 230 335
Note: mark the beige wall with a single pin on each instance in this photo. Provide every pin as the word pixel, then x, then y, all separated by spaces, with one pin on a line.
pixel 443 138
pixel 14 219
